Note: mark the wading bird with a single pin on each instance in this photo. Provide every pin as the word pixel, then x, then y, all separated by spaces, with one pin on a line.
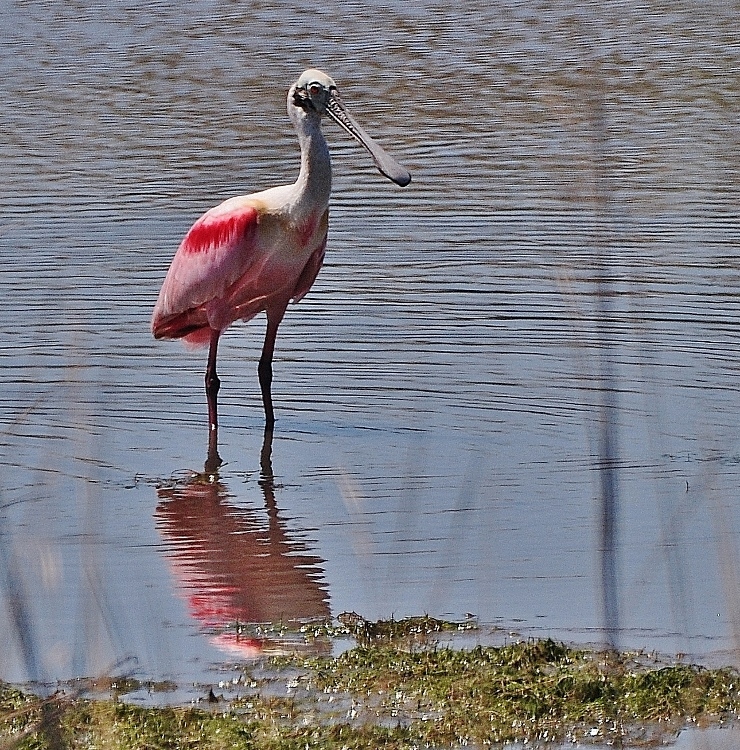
pixel 258 252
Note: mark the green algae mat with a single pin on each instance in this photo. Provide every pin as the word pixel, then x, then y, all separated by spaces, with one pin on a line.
pixel 395 689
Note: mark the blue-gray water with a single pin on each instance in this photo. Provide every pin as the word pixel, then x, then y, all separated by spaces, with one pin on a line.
pixel 565 260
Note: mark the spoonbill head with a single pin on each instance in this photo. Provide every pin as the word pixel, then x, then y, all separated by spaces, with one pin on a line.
pixel 315 93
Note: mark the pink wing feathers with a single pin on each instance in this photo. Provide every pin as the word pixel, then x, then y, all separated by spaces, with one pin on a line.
pixel 211 257
pixel 227 268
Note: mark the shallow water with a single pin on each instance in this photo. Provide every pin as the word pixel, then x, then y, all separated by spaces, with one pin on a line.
pixel 512 391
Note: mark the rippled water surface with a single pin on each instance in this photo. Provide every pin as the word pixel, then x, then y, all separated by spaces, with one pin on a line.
pixel 512 392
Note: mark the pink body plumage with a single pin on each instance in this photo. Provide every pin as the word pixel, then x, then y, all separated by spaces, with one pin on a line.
pixel 236 261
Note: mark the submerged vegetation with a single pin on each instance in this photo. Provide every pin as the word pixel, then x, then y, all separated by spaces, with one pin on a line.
pixel 398 688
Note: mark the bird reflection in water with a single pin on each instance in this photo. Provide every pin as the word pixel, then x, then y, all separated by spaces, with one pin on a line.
pixel 238 568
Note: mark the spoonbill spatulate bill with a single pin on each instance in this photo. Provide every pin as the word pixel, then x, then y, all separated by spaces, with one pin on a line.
pixel 258 252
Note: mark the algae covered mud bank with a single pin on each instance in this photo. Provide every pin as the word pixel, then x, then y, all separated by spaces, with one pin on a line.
pixel 398 688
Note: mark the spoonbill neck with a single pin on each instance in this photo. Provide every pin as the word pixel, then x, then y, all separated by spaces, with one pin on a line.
pixel 314 178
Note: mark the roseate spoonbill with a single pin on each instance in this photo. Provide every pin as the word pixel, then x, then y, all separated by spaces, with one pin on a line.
pixel 260 251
